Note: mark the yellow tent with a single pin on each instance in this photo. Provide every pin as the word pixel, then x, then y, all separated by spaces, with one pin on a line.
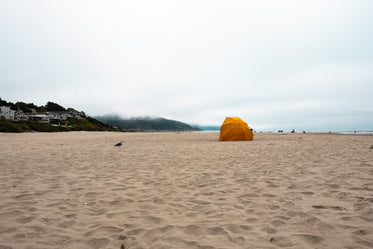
pixel 235 129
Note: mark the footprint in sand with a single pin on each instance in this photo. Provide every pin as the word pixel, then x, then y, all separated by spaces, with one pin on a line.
pixel 328 207
pixel 277 223
pixel 236 228
pixel 152 219
pixel 309 239
pixel 360 232
pixel 269 230
pixel 48 220
pixel 282 241
pixel 26 219
pixel 91 194
pixel 155 233
pixel 66 224
pixel 251 220
pixel 98 243
pixel 111 229
pixel 136 232
pixel 71 216
pixel 106 229
pixel 17 236
pixel 193 230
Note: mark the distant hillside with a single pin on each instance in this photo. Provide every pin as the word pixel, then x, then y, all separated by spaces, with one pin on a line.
pixel 87 124
pixel 99 123
pixel 71 123
pixel 145 124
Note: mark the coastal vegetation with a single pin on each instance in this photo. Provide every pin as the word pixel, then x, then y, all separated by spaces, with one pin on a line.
pixel 73 124
pixel 25 107
pixel 145 124
pixel 77 122
pixel 68 119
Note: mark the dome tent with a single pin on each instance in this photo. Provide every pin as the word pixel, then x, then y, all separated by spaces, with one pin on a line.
pixel 235 129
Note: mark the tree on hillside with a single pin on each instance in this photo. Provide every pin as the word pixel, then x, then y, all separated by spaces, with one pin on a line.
pixel 3 102
pixel 25 107
pixel 53 107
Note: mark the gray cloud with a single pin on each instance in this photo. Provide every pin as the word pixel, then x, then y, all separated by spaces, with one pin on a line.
pixel 274 63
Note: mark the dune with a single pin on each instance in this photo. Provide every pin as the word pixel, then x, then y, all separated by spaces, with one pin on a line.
pixel 185 190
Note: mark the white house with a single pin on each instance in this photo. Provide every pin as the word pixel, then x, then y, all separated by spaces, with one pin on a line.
pixel 20 115
pixel 54 118
pixel 7 113
pixel 42 118
pixel 76 114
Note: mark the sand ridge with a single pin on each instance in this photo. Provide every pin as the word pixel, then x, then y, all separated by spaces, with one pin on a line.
pixel 185 190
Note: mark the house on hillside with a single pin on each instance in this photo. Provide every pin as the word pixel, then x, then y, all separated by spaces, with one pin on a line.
pixel 55 118
pixel 42 118
pixel 7 113
pixel 76 114
pixel 20 115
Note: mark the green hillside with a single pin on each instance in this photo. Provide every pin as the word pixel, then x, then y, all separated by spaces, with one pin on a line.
pixel 70 124
pixel 145 124
pixel 84 123
pixel 88 124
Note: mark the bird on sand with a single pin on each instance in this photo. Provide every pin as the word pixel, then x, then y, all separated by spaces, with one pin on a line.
pixel 119 144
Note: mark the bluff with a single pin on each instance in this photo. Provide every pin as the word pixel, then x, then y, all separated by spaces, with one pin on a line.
pixel 52 117
pixel 145 124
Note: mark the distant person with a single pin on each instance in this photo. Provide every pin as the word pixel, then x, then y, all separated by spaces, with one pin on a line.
pixel 293 131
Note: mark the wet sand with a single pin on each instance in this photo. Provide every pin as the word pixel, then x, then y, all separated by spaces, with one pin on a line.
pixel 185 190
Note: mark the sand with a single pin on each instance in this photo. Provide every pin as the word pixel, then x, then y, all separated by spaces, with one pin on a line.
pixel 185 190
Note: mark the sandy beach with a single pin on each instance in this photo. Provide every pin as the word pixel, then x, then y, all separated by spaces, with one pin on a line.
pixel 185 190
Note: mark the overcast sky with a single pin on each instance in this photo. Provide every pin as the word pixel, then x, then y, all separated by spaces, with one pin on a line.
pixel 276 64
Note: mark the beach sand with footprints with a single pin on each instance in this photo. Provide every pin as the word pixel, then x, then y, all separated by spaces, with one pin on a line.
pixel 185 190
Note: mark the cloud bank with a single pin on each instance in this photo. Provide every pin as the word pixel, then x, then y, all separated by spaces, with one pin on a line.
pixel 276 64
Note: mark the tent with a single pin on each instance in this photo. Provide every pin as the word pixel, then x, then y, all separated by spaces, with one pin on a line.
pixel 235 129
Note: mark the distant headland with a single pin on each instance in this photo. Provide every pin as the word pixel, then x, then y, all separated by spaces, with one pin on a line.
pixel 145 123
pixel 52 117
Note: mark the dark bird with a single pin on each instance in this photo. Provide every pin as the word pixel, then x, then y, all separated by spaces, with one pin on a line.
pixel 119 144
